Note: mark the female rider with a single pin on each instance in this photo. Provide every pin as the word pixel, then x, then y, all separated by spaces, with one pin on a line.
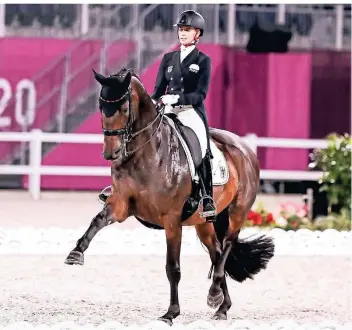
pixel 185 74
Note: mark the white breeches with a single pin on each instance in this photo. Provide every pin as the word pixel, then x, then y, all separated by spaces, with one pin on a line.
pixel 190 118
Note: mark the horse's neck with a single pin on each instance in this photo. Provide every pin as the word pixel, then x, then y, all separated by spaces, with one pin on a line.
pixel 164 135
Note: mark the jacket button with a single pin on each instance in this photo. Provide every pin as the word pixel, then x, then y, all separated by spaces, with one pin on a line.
pixel 182 89
pixel 171 78
pixel 181 78
pixel 172 89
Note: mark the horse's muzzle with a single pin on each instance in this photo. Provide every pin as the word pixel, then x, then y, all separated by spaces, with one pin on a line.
pixel 110 155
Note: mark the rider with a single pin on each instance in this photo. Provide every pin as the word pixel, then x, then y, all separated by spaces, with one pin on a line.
pixel 185 75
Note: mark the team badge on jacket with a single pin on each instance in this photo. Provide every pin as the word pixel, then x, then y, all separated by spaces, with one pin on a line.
pixel 194 68
pixel 169 69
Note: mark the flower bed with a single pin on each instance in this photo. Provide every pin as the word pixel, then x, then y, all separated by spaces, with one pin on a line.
pixel 335 163
pixel 294 216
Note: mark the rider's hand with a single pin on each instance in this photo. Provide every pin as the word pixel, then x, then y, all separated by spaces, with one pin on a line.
pixel 170 99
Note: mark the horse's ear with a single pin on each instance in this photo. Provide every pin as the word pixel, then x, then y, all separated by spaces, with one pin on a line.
pixel 99 78
pixel 126 81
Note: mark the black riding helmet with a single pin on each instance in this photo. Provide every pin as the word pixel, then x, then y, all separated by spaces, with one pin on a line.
pixel 193 19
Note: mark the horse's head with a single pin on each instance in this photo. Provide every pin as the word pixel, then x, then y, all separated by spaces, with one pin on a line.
pixel 116 104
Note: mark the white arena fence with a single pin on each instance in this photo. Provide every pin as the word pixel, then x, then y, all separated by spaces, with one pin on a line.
pixel 196 325
pixel 36 138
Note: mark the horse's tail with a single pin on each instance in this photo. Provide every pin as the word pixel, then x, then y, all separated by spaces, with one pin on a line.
pixel 247 256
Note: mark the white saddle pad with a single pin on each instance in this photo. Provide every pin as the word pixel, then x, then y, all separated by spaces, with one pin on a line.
pixel 219 165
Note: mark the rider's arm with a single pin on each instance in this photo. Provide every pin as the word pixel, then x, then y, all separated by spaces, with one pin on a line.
pixel 198 96
pixel 161 82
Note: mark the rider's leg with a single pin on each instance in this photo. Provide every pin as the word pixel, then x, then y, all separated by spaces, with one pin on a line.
pixel 205 170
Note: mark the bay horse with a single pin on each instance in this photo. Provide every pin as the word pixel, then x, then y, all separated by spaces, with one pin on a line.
pixel 151 181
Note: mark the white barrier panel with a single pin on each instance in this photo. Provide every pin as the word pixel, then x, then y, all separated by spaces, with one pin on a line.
pixel 35 169
pixel 142 241
pixel 197 325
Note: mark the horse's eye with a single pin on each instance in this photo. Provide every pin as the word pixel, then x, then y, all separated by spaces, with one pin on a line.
pixel 125 110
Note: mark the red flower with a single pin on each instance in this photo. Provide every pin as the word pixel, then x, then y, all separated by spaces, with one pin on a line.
pixel 269 218
pixel 251 215
pixel 294 224
pixel 258 220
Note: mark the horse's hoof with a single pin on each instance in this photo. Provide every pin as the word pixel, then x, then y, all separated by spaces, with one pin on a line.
pixel 215 301
pixel 220 316
pixel 167 321
pixel 75 258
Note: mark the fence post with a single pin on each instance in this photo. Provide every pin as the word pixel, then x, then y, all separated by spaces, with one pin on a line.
pixel 2 20
pixel 64 94
pixel 231 26
pixel 216 23
pixel 252 141
pixel 35 157
pixel 339 27
pixel 281 13
pixel 84 19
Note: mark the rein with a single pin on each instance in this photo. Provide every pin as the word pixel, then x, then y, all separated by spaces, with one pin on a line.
pixel 126 132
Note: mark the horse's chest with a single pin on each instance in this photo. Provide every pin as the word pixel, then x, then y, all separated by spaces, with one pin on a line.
pixel 149 205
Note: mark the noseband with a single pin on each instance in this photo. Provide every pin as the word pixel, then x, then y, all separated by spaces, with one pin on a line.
pixel 126 132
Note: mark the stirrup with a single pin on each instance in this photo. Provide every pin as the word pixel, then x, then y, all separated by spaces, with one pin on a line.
pixel 207 213
pixel 102 193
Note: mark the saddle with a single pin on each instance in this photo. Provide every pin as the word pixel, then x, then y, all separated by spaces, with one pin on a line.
pixel 192 148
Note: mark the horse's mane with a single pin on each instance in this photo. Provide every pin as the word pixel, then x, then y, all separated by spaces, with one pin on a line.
pixel 123 72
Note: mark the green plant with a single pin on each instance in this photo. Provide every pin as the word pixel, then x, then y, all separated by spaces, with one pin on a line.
pixel 333 221
pixel 335 163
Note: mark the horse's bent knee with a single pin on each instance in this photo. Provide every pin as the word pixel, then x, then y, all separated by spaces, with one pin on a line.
pixel 118 209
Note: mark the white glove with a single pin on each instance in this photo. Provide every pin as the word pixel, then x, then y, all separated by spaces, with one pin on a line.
pixel 170 99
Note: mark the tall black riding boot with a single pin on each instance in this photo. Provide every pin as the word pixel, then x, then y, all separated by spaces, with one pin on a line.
pixel 209 209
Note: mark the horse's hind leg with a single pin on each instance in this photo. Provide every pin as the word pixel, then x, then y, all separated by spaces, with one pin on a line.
pixel 241 259
pixel 220 296
pixel 101 220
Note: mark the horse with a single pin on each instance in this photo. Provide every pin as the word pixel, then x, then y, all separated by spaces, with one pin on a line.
pixel 151 174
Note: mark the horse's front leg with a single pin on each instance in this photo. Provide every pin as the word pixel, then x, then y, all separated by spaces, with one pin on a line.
pixel 101 220
pixel 173 271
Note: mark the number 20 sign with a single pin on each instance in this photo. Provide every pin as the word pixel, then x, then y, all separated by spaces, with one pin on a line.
pixel 22 118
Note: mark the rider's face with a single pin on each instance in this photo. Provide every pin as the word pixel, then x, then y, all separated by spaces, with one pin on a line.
pixel 187 34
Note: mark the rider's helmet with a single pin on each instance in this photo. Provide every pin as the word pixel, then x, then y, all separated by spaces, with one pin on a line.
pixel 193 19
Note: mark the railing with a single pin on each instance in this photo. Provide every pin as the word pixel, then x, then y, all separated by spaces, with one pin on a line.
pixel 67 80
pixel 35 169
pixel 321 26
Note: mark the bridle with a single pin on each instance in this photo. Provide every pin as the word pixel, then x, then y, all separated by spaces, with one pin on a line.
pixel 126 132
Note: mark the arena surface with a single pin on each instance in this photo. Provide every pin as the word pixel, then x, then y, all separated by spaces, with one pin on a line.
pixel 134 289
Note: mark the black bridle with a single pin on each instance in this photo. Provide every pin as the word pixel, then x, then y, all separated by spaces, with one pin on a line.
pixel 126 132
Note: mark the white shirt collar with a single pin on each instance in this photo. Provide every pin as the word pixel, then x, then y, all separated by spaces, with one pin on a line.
pixel 185 51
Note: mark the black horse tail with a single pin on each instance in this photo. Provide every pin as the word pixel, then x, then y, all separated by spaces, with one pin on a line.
pixel 247 256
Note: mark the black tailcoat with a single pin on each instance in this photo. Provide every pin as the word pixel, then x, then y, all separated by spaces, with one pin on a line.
pixel 189 79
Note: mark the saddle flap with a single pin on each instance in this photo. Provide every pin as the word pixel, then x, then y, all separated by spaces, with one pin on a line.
pixel 220 170
pixel 190 138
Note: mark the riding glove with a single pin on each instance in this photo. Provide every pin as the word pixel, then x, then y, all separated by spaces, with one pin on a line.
pixel 170 99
